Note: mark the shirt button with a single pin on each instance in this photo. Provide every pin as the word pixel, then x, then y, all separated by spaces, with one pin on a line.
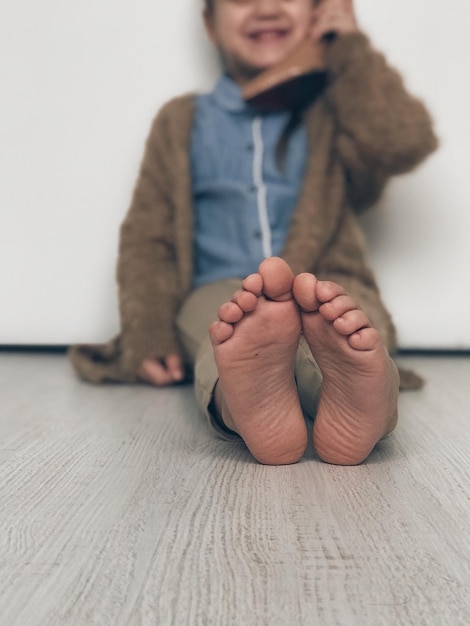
pixel 257 234
pixel 249 147
pixel 253 188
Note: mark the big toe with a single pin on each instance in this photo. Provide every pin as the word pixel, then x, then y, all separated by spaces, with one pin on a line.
pixel 278 279
pixel 305 292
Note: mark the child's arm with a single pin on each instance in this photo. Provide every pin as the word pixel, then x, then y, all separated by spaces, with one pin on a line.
pixel 380 121
pixel 382 129
pixel 154 265
pixel 150 290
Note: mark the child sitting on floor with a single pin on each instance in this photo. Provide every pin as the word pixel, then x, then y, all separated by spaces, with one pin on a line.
pixel 218 227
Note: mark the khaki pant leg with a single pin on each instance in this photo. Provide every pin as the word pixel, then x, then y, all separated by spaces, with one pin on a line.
pixel 194 318
pixel 308 379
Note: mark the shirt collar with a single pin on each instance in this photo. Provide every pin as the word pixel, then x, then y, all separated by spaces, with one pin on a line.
pixel 228 96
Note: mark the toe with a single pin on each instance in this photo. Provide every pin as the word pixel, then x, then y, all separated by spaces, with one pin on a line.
pixel 327 290
pixel 337 307
pixel 304 289
pixel 230 312
pixel 254 284
pixel 220 331
pixel 277 279
pixel 246 300
pixel 351 322
pixel 365 339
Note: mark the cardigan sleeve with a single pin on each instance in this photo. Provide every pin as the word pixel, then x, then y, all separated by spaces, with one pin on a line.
pixel 152 276
pixel 149 281
pixel 382 130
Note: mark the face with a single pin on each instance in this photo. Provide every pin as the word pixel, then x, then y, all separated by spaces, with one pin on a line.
pixel 253 35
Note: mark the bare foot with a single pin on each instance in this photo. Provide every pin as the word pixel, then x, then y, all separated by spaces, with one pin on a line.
pixel 358 404
pixel 255 342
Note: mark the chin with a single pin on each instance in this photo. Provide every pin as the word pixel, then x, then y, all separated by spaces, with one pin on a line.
pixel 268 62
pixel 248 70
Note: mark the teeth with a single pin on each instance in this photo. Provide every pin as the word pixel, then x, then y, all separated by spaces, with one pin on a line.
pixel 268 35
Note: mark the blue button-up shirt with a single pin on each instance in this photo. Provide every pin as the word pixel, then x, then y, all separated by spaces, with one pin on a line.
pixel 243 201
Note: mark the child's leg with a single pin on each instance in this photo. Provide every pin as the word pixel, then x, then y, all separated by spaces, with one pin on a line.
pixel 308 379
pixel 358 404
pixel 255 343
pixel 198 312
pixel 193 321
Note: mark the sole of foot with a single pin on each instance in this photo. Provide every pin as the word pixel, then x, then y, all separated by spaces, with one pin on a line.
pixel 358 404
pixel 255 340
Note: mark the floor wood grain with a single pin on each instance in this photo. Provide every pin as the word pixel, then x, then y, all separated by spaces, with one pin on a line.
pixel 119 507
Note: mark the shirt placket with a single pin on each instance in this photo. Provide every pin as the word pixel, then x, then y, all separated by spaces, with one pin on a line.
pixel 259 186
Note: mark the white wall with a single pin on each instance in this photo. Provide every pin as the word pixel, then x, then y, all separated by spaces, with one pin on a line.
pixel 79 85
pixel 419 236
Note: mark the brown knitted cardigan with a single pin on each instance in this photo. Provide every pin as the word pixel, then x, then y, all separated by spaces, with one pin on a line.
pixel 362 130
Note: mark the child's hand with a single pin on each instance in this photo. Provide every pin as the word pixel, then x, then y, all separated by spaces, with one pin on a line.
pixel 160 372
pixel 332 18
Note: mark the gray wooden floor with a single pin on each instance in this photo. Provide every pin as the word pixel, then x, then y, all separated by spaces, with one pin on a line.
pixel 118 506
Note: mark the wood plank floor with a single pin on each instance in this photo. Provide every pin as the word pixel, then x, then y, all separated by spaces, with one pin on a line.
pixel 119 507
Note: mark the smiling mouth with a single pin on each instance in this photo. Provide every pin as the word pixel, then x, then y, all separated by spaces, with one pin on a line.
pixel 267 36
